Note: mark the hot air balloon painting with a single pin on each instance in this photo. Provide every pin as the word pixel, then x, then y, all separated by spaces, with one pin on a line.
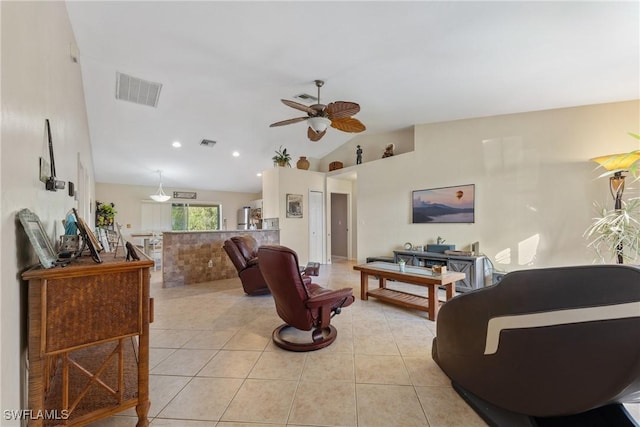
pixel 445 204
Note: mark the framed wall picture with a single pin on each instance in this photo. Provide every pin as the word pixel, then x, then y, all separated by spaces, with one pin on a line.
pixel 444 205
pixel 38 237
pixel 185 195
pixel 90 239
pixel 294 205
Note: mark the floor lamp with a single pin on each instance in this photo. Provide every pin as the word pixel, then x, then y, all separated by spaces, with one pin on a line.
pixel 617 164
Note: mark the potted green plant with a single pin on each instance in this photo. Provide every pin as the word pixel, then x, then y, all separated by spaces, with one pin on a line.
pixel 282 158
pixel 105 214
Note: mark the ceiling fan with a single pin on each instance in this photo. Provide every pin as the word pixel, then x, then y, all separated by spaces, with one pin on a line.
pixel 337 114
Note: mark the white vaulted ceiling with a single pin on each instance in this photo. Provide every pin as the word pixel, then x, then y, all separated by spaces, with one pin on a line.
pixel 224 66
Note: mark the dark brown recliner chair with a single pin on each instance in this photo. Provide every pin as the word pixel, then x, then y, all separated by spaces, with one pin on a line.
pixel 301 304
pixel 546 347
pixel 243 252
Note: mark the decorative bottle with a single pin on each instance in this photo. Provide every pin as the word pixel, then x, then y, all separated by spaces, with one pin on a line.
pixel 303 163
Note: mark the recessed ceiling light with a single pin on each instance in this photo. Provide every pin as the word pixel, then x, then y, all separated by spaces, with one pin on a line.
pixel 236 154
pixel 176 144
pixel 258 174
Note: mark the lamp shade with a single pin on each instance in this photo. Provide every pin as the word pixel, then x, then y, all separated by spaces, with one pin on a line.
pixel 319 124
pixel 620 162
pixel 160 196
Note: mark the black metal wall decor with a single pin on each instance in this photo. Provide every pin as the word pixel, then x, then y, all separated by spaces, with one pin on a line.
pixel 52 184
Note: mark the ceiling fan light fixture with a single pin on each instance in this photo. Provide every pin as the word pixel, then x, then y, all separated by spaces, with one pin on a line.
pixel 160 196
pixel 319 124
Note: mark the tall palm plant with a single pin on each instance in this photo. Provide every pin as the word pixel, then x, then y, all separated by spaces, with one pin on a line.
pixel 617 231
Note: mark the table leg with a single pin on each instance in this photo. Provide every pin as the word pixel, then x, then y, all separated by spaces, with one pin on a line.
pixel 142 409
pixel 364 285
pixel 382 281
pixel 451 290
pixel 433 302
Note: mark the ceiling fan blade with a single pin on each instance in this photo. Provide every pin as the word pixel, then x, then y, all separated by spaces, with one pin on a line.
pixel 348 124
pixel 313 136
pixel 341 109
pixel 299 106
pixel 288 122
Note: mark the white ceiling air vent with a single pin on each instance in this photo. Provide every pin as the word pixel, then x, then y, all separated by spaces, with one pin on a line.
pixel 133 89
pixel 208 143
pixel 305 97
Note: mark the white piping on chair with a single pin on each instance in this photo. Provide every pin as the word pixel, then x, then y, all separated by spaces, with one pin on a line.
pixel 557 317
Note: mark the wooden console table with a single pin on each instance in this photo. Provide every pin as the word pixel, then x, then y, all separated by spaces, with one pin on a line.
pixel 89 340
pixel 413 275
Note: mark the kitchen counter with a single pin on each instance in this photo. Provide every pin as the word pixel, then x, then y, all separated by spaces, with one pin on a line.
pixel 190 257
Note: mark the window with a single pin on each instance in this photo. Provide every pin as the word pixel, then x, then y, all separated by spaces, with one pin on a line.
pixel 186 216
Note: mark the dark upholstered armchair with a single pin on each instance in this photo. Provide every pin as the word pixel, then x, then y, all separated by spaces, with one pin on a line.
pixel 243 252
pixel 300 303
pixel 546 347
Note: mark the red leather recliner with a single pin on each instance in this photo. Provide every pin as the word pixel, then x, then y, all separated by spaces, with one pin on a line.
pixel 301 304
pixel 243 251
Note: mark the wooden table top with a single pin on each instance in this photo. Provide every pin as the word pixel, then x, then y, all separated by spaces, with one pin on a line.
pixel 412 274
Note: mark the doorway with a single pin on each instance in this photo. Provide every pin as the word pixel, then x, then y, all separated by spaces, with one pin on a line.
pixel 339 226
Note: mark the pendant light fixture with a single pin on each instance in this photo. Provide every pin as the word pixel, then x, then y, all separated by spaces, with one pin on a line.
pixel 159 196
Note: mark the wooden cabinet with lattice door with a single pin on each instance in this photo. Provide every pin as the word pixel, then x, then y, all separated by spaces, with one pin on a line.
pixel 89 340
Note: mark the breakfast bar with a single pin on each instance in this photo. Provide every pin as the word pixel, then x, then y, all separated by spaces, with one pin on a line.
pixel 191 257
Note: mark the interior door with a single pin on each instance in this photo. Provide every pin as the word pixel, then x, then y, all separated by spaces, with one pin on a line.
pixel 339 229
pixel 316 227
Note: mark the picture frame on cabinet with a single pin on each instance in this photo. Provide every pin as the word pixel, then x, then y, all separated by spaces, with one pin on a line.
pixel 38 238
pixel 90 239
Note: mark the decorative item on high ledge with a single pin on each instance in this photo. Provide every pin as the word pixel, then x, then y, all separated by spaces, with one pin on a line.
pixel 105 214
pixel 358 155
pixel 303 163
pixel 619 228
pixel 282 158
pixel 388 151
pixel 335 165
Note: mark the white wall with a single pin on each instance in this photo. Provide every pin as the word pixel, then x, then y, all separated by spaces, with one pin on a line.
pixel 39 81
pixel 128 203
pixel 276 184
pixel 535 185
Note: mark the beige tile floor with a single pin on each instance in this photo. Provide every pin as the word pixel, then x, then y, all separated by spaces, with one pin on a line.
pixel 213 364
